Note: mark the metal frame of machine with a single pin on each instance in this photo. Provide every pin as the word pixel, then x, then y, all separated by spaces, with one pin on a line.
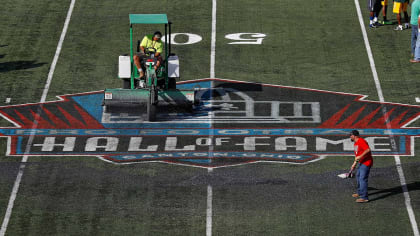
pixel 160 89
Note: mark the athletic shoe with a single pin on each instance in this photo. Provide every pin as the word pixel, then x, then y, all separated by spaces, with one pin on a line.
pixel 372 25
pixel 399 27
pixel 377 24
pixel 142 84
pixel 386 22
pixel 406 25
pixel 355 195
pixel 414 61
pixel 361 200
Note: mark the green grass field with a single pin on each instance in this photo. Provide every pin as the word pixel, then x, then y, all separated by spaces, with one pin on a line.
pixel 316 45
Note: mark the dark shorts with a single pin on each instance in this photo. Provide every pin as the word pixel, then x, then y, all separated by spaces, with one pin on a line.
pixel 143 56
pixel 373 5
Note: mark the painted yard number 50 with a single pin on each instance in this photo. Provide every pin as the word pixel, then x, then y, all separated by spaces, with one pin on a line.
pixel 238 38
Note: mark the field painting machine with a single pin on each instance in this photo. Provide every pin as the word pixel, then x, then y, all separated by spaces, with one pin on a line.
pixel 158 88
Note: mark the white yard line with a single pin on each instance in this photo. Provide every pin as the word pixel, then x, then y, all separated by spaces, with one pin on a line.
pixel 57 52
pixel 13 197
pixel 209 209
pixel 410 211
pixel 24 160
pixel 407 196
pixel 369 52
pixel 213 39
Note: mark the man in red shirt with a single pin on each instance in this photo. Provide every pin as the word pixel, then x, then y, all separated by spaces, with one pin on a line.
pixel 364 156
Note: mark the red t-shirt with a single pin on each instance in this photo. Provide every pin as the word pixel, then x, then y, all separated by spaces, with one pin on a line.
pixel 359 147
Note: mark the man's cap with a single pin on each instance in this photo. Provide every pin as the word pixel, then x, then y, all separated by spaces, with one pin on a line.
pixel 157 34
pixel 355 133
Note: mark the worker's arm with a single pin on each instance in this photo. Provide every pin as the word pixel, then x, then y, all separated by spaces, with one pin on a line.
pixel 361 156
pixel 143 43
pixel 418 21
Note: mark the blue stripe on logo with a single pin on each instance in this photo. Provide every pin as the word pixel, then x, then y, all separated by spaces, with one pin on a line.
pixel 206 132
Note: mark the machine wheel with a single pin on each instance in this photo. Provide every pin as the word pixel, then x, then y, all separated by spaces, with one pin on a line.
pixel 109 109
pixel 171 83
pixel 151 111
pixel 126 84
pixel 151 108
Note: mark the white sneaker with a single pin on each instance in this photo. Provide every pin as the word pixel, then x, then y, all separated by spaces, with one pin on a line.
pixel 142 84
pixel 399 27
pixel 406 25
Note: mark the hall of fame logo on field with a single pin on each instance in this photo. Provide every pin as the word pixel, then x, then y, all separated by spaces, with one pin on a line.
pixel 234 123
